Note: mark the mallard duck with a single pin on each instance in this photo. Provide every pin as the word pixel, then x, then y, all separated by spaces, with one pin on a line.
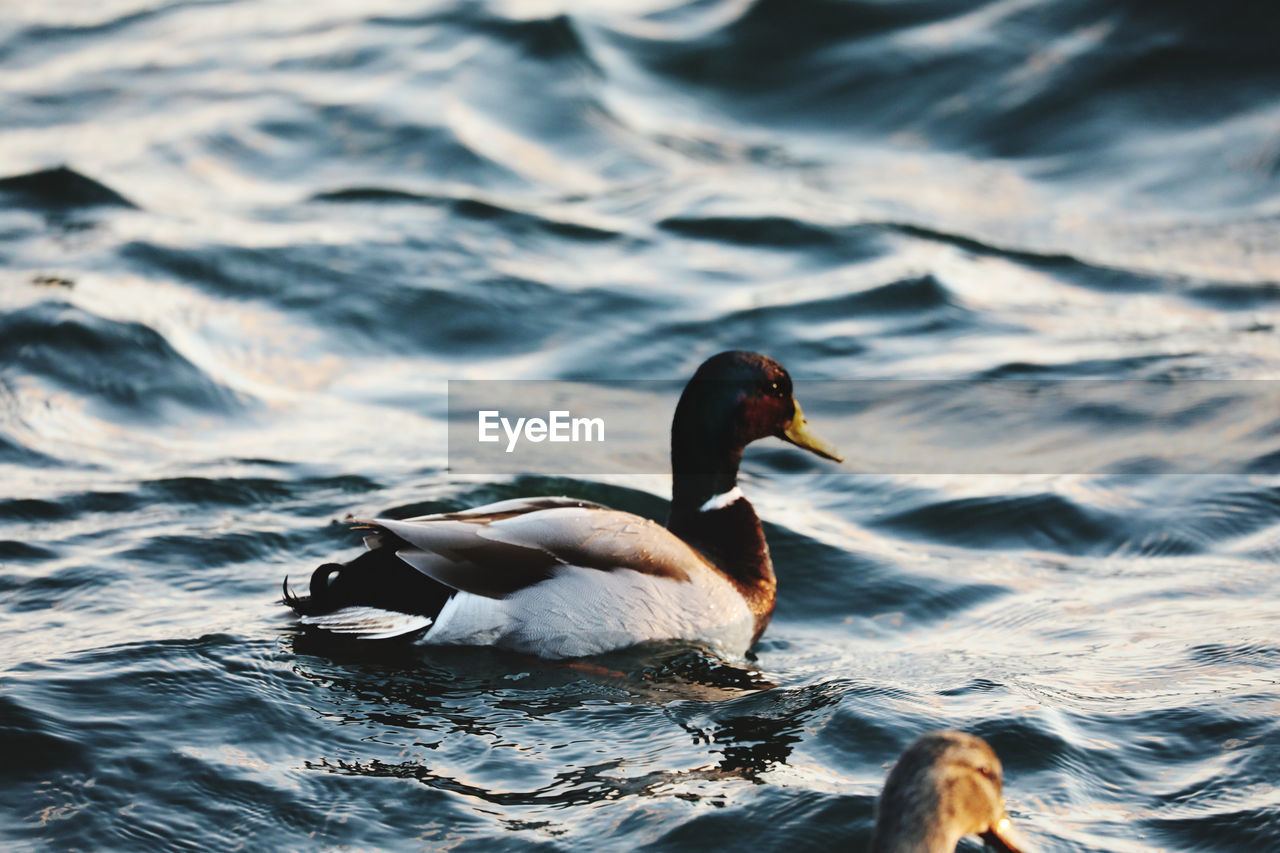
pixel 944 786
pixel 558 577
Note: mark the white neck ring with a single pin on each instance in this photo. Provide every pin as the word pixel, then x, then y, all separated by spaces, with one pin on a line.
pixel 722 500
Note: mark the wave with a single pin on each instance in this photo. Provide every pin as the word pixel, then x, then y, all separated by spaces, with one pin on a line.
pixel 128 367
pixel 60 187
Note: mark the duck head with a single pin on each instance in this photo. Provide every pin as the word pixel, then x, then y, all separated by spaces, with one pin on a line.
pixel 945 786
pixel 738 397
pixel 733 399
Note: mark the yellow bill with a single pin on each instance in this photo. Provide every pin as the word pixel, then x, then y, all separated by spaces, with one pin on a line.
pixel 797 432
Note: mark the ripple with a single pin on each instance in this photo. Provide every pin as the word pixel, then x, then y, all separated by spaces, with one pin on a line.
pixel 497 314
pixel 129 366
pixel 34 745
pixel 1044 521
pixel 322 132
pixel 10 550
pixel 511 220
pixel 60 187
pixel 1237 297
pixel 550 38
pixel 775 231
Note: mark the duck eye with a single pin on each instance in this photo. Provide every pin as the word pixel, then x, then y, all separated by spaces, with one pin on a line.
pixel 773 386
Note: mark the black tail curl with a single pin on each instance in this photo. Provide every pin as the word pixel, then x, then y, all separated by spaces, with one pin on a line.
pixel 376 578
pixel 314 603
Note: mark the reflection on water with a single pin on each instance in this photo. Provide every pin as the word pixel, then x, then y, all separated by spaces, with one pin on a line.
pixel 730 715
pixel 727 713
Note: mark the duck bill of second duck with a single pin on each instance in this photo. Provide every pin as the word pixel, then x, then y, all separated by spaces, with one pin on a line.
pixel 1004 838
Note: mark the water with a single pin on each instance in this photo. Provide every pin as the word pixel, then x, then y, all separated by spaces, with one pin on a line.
pixel 286 226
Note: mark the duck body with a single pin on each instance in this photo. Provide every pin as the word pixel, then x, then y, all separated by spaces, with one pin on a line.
pixel 566 578
pixel 558 577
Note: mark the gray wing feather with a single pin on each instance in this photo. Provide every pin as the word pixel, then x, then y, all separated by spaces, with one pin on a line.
pixel 507 546
pixel 502 509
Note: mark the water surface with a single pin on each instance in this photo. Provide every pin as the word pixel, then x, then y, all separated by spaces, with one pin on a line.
pixel 230 321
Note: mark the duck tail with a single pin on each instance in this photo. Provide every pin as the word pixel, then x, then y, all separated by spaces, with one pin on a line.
pixel 316 600
pixel 374 596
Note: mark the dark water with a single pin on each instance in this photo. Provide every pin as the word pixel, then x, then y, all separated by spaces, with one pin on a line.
pixel 285 226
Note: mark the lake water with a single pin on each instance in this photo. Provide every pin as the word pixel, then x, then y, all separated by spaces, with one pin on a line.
pixel 284 227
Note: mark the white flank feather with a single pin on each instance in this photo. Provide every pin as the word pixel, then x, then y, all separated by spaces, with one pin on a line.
pixel 471 620
pixel 586 611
